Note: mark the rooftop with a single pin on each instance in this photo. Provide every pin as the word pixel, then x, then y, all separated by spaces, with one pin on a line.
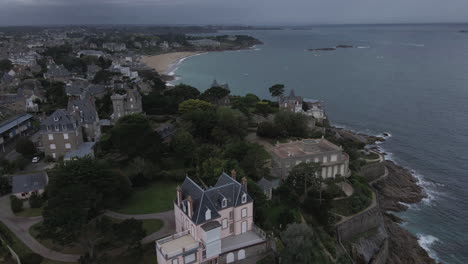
pixel 304 147
pixel 12 122
pixel 84 150
pixel 29 182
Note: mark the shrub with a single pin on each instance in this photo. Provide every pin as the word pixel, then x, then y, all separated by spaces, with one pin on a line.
pixel 25 147
pixel 16 204
pixel 36 201
pixel 21 163
pixel 32 258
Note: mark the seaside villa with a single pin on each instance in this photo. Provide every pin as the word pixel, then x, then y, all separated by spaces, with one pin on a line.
pixel 213 225
pixel 333 161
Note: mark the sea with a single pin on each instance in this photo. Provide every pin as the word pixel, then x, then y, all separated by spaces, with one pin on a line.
pixel 410 81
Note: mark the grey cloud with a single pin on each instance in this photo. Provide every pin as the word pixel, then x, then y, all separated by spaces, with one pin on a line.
pixel 230 12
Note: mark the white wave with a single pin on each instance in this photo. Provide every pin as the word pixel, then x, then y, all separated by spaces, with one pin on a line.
pixel 415 45
pixel 363 47
pixel 385 135
pixel 426 242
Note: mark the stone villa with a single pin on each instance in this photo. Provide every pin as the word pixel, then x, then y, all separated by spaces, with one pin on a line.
pixel 213 225
pixel 60 133
pixel 332 159
pixel 126 104
pixel 297 104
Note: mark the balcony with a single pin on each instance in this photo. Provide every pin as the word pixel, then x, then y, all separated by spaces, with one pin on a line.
pixel 176 244
pixel 249 238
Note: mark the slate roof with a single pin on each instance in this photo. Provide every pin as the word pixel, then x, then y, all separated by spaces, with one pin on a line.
pixel 60 121
pixel 291 97
pixel 12 122
pixel 57 71
pixel 29 182
pixel 211 198
pixel 264 184
pixel 85 110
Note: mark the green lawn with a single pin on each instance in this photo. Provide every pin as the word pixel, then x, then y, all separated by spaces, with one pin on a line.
pixel 69 249
pixel 30 212
pixel 155 198
pixel 22 250
pixel 152 225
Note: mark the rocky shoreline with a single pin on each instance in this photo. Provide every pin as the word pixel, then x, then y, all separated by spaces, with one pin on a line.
pixel 400 187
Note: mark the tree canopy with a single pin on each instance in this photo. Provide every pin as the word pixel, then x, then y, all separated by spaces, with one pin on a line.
pixel 301 246
pixel 78 191
pixel 5 65
pixel 192 105
pixel 276 90
pixel 25 147
pixel 133 136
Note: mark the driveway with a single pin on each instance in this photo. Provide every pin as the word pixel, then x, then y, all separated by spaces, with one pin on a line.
pixel 20 227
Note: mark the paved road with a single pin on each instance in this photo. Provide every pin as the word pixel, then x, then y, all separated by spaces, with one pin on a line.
pixel 167 229
pixel 20 227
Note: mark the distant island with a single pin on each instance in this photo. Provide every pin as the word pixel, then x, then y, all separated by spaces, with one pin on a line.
pixel 334 48
pixel 463 31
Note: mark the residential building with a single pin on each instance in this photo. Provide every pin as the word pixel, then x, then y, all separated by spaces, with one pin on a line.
pixel 80 89
pixel 60 133
pixel 204 43
pixel 57 73
pixel 126 104
pixel 85 110
pixel 297 104
pixel 266 186
pixel 213 225
pixel 93 53
pixel 14 127
pixel 333 161
pixel 114 46
pixel 226 100
pixel 24 185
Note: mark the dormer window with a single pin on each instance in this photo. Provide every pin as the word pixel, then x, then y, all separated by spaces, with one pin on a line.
pixel 208 214
pixel 56 119
pixel 224 203
pixel 244 198
pixel 184 208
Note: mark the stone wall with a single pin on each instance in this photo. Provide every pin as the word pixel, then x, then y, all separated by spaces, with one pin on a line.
pixel 373 171
pixel 249 252
pixel 359 223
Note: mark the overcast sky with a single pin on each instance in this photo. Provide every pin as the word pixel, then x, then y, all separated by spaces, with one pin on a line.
pixel 254 12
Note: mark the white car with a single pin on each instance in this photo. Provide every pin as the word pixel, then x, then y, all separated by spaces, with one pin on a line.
pixel 35 160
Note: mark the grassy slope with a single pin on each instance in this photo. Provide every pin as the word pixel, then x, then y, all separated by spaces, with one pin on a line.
pixel 155 198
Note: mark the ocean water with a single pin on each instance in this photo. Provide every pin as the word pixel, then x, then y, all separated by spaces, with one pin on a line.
pixel 408 80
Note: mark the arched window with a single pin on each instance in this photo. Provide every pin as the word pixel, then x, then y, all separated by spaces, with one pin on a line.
pixel 241 254
pixel 230 258
pixel 224 203
pixel 244 198
pixel 208 214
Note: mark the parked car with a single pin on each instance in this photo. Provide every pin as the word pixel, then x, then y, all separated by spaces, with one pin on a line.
pixel 35 160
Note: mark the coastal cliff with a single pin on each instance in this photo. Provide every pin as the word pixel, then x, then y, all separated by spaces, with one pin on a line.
pixel 394 186
pixel 400 186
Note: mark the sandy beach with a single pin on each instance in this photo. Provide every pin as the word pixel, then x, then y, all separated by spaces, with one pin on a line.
pixel 163 63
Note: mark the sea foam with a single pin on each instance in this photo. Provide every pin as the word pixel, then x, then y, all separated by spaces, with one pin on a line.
pixel 426 242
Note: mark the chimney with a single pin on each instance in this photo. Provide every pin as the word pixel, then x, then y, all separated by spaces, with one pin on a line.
pixel 233 174
pixel 244 183
pixel 179 195
pixel 190 206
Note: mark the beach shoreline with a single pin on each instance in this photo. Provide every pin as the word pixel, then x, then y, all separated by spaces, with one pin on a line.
pixel 166 64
